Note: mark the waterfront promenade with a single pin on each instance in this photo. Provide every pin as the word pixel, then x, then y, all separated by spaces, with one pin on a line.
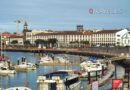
pixel 110 52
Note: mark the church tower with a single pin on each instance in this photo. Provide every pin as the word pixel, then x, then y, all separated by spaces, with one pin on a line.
pixel 25 26
pixel 25 30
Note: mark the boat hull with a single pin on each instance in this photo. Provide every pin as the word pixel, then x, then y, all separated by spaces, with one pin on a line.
pixel 20 68
pixel 7 72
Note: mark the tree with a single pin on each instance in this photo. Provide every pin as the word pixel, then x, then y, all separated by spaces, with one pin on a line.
pixel 84 43
pixel 27 43
pixel 14 42
pixel 52 42
pixel 75 43
pixel 40 41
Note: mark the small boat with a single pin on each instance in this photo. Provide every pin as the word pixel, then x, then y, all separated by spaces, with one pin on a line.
pixel 89 66
pixel 62 60
pixel 45 60
pixel 53 60
pixel 6 71
pixel 24 65
pixel 18 88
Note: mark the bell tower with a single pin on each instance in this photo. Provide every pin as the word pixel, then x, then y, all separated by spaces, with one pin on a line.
pixel 25 26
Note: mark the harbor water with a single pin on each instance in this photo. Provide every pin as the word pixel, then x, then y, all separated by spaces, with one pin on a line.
pixel 29 78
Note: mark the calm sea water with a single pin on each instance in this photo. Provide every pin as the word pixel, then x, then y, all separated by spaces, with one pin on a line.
pixel 29 78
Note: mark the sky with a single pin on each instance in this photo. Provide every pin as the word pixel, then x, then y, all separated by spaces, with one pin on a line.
pixel 64 14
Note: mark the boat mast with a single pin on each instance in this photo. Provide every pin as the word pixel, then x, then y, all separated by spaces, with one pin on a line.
pixel 0 44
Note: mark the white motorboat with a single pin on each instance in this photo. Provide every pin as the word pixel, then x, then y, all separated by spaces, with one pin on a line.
pixel 62 60
pixel 24 65
pixel 18 88
pixel 89 66
pixel 6 71
pixel 45 60
pixel 55 60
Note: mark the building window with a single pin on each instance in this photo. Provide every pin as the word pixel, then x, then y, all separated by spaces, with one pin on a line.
pixel 118 35
pixel 118 42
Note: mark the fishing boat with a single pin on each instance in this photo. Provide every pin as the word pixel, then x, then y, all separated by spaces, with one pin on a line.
pixel 6 68
pixel 23 65
pixel 18 88
pixel 60 80
pixel 6 71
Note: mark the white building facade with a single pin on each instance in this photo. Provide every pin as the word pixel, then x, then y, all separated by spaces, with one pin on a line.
pixel 110 38
pixel 123 38
pixel 99 38
pixel 118 37
pixel 64 38
pixel 31 33
pixel 17 38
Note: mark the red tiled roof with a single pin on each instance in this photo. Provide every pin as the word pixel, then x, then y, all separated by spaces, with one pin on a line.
pixel 106 31
pixel 16 37
pixel 7 35
pixel 65 33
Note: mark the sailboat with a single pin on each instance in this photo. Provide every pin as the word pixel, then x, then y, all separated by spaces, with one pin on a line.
pixel 5 65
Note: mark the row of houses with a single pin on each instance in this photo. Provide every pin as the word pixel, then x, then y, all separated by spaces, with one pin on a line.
pixel 118 37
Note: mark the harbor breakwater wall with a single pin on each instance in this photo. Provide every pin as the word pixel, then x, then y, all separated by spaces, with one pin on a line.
pixel 64 51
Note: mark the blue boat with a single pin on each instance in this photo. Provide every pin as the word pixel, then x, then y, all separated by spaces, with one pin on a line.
pixel 59 80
